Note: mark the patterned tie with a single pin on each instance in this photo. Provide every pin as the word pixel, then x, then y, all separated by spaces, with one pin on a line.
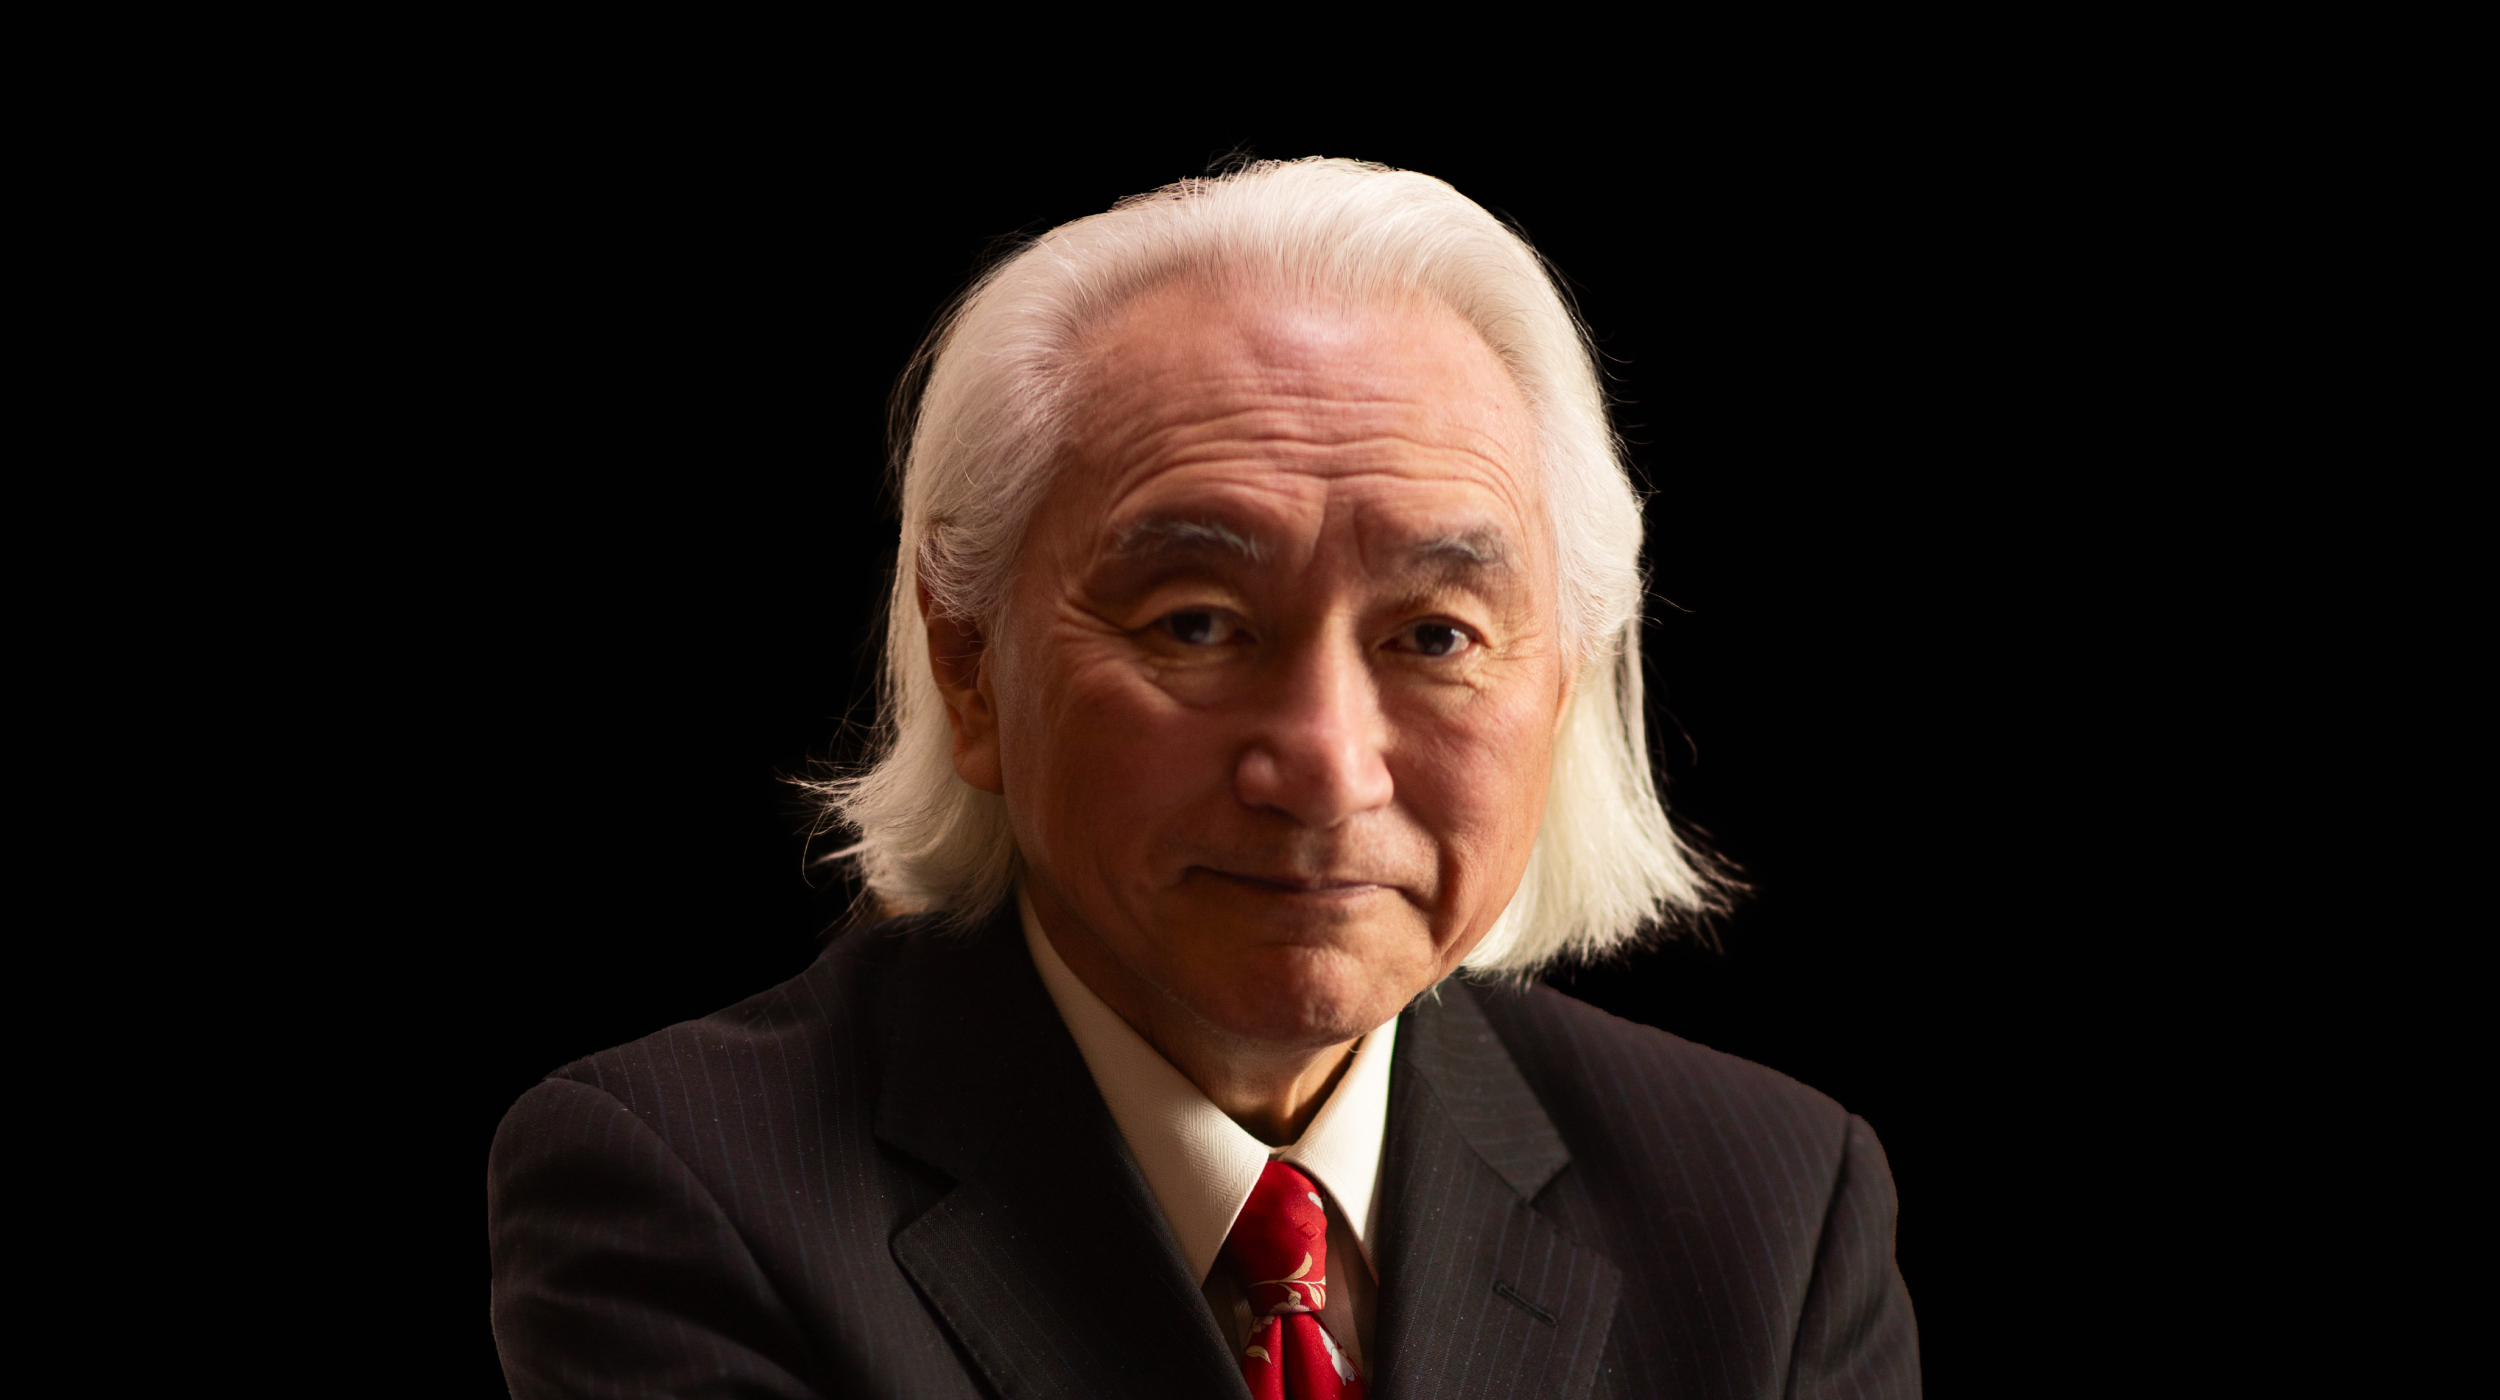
pixel 1279 1251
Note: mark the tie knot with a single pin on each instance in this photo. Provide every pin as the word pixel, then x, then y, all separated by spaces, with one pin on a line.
pixel 1279 1244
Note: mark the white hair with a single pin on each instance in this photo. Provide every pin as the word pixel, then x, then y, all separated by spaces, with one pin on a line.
pixel 998 378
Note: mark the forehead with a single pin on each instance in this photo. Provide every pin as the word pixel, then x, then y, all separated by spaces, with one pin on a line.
pixel 1263 408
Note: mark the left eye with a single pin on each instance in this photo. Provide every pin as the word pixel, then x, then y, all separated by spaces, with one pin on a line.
pixel 1198 627
pixel 1435 639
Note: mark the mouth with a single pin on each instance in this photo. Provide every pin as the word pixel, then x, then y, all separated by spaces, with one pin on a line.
pixel 1304 886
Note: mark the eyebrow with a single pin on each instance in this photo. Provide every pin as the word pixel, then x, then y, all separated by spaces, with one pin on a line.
pixel 1450 560
pixel 1159 536
pixel 1467 551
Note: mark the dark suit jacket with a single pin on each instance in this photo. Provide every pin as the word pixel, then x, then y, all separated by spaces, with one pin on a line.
pixel 893 1176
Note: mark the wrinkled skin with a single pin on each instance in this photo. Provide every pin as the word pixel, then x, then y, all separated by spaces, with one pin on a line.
pixel 1273 701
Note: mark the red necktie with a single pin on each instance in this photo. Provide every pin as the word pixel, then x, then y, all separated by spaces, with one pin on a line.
pixel 1279 1251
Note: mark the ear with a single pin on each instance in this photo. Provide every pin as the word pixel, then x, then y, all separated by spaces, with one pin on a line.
pixel 958 658
pixel 1570 692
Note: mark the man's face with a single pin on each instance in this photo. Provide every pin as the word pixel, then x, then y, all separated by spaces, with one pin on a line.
pixel 1275 696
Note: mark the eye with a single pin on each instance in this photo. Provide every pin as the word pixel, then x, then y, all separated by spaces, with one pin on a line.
pixel 1433 639
pixel 1198 627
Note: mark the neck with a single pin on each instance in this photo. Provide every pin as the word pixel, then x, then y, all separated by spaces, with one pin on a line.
pixel 1273 1091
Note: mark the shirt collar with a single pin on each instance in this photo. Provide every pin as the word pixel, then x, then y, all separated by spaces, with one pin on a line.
pixel 1199 1163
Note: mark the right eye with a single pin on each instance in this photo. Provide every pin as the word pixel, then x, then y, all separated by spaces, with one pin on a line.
pixel 1198 627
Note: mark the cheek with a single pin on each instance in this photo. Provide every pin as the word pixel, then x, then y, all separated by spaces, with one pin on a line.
pixel 1102 745
pixel 1476 777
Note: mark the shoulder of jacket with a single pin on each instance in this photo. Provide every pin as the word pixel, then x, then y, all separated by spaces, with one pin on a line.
pixel 818 1004
pixel 1558 1037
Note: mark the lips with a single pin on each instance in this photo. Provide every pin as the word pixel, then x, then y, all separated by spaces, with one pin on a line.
pixel 1320 885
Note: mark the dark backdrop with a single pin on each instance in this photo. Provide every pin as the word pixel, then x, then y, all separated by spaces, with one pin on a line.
pixel 1859 376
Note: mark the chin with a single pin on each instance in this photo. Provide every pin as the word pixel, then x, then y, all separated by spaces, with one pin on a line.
pixel 1303 995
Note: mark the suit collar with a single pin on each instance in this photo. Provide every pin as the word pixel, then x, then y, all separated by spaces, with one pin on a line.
pixel 1479 1294
pixel 1490 1106
pixel 1049 1260
pixel 1055 1270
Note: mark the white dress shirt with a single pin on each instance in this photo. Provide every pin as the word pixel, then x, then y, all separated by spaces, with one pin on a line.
pixel 1200 1164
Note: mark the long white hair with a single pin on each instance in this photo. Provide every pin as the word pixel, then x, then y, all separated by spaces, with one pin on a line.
pixel 976 448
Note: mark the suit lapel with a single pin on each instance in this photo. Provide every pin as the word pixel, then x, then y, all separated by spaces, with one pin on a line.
pixel 1049 1260
pixel 1479 1294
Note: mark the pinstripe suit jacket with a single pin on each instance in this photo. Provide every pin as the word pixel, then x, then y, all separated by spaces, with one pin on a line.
pixel 893 1176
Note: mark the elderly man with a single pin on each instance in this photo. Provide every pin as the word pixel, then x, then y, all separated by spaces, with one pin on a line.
pixel 1263 708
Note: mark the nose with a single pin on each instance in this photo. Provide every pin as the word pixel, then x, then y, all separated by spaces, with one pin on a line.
pixel 1316 754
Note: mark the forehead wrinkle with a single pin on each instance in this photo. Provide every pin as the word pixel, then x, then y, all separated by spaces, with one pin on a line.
pixel 1205 396
pixel 1158 437
pixel 1134 408
pixel 1290 467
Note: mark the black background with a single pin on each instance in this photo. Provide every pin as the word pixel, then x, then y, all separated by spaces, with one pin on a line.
pixel 1864 371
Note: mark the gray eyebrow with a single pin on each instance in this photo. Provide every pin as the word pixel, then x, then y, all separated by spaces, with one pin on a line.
pixel 1480 549
pixel 1446 556
pixel 1164 535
